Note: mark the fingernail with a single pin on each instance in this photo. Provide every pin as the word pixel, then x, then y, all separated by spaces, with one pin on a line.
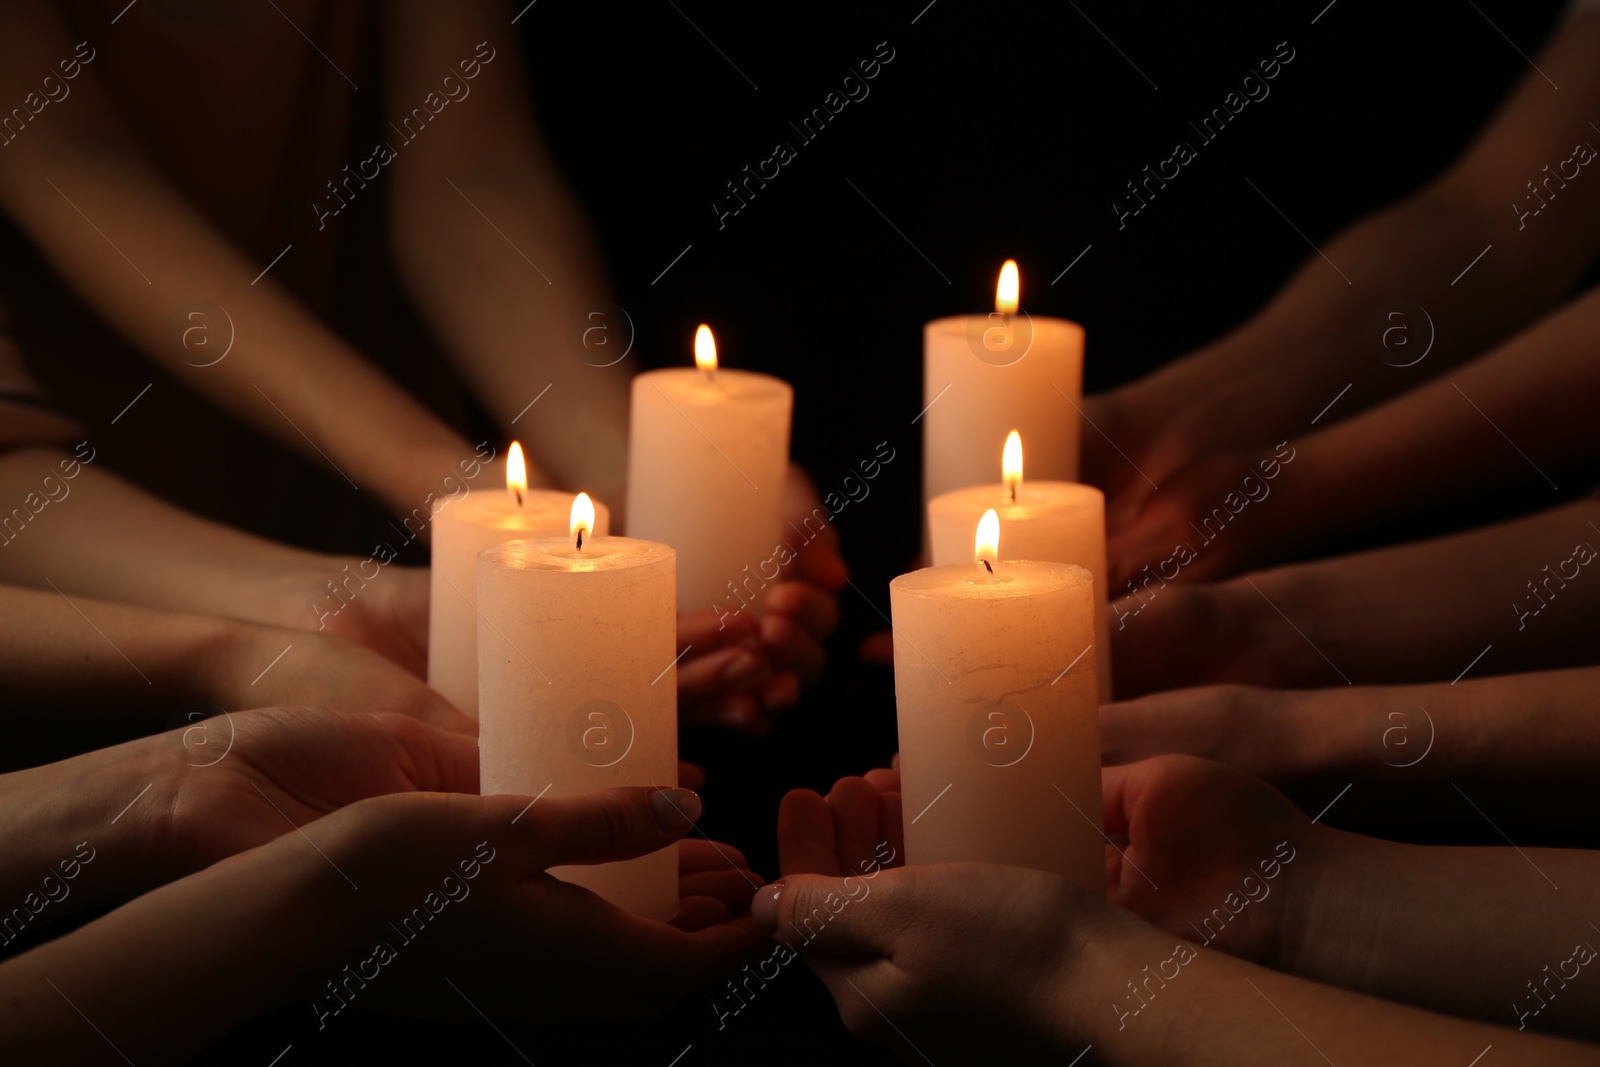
pixel 676 809
pixel 764 907
pixel 742 668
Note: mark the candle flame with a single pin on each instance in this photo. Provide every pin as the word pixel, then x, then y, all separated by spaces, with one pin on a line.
pixel 1011 464
pixel 705 349
pixel 1007 294
pixel 582 524
pixel 987 547
pixel 516 472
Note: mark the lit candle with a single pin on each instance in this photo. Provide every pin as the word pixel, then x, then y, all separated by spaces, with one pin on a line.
pixel 999 713
pixel 708 451
pixel 462 529
pixel 578 684
pixel 1063 522
pixel 985 374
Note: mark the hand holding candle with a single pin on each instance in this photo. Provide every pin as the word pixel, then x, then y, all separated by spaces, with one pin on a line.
pixel 577 668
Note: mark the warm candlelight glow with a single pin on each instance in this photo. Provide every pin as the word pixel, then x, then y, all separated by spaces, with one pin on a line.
pixel 1011 464
pixel 516 472
pixel 705 349
pixel 582 524
pixel 987 546
pixel 1008 293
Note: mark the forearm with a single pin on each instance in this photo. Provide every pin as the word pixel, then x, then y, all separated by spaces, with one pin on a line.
pixel 1518 414
pixel 1503 950
pixel 1272 376
pixel 230 919
pixel 516 337
pixel 1424 611
pixel 165 557
pixel 270 362
pixel 1217 1009
pixel 496 252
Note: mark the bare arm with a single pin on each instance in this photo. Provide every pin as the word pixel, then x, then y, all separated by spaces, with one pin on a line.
pixel 1266 380
pixel 496 251
pixel 83 164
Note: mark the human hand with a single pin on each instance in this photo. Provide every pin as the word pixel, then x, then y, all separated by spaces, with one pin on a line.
pixel 743 670
pixel 258 666
pixel 1209 519
pixel 1212 846
pixel 389 615
pixel 596 961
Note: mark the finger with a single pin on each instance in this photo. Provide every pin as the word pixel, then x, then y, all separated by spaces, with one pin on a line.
pixel 780 691
pixel 615 824
pixel 824 915
pixel 435 760
pixel 791 647
pixel 805 835
pixel 690 776
pixel 1120 787
pixel 812 607
pixel 708 630
pixel 854 804
pixel 737 711
pixel 698 854
pixel 877 648
pixel 722 671
pixel 821 564
pixel 696 912
pixel 884 779
pixel 732 888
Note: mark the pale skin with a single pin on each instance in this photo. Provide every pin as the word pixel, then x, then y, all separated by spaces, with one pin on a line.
pixel 951 959
pixel 508 329
pixel 1409 613
pixel 1267 380
pixel 331 894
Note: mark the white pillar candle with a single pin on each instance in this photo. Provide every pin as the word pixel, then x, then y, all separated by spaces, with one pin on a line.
pixel 708 451
pixel 999 729
pixel 579 687
pixel 1062 522
pixel 462 530
pixel 986 374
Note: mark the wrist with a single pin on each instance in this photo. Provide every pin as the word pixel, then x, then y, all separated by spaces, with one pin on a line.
pixel 1325 928
pixel 1111 991
pixel 86 832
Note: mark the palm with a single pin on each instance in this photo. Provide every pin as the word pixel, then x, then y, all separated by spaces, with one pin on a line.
pixel 253 775
pixel 1203 839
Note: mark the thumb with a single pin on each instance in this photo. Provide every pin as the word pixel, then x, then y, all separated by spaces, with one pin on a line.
pixel 616 824
pixel 832 916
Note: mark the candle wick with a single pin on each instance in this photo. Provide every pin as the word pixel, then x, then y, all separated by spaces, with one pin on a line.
pixel 580 539
pixel 986 566
pixel 1013 488
pixel 519 496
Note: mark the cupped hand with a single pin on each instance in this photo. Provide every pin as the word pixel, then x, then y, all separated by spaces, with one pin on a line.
pixel 515 941
pixel 1215 516
pixel 1213 855
pixel 388 615
pixel 855 829
pixel 741 670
